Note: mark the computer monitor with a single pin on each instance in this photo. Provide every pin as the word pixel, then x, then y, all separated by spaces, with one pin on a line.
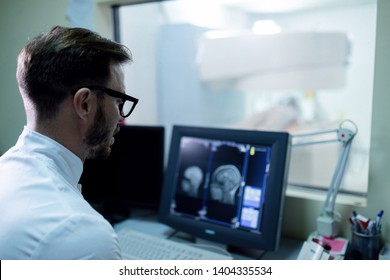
pixel 131 177
pixel 226 185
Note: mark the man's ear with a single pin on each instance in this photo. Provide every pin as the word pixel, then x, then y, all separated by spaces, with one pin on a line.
pixel 83 103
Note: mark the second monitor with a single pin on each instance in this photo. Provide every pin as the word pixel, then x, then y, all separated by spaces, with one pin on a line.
pixel 131 177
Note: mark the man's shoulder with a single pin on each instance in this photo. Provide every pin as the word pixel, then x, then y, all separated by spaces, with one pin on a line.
pixel 80 236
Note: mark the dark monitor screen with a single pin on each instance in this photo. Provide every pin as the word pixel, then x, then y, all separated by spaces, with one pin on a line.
pixel 131 176
pixel 226 185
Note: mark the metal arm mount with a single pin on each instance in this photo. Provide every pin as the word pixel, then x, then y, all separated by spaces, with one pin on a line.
pixel 328 223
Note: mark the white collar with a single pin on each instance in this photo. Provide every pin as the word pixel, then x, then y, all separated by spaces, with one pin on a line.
pixel 55 154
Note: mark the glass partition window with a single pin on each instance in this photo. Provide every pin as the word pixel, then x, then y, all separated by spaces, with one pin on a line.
pixel 302 67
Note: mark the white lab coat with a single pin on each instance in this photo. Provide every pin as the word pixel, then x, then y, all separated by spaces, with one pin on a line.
pixel 43 214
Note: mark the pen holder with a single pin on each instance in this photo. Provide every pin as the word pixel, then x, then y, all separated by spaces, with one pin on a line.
pixel 365 246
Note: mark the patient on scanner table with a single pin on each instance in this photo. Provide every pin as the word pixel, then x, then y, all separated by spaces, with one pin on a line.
pixel 285 116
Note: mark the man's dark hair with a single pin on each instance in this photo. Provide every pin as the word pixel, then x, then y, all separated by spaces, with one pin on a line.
pixel 53 63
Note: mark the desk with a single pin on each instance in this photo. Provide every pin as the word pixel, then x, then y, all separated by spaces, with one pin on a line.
pixel 146 221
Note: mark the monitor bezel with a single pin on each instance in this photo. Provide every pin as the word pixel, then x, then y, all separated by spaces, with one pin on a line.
pixel 269 238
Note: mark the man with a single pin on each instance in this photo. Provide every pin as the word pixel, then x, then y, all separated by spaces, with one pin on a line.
pixel 72 85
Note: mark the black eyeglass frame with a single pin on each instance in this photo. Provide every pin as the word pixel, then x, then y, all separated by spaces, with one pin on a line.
pixel 116 94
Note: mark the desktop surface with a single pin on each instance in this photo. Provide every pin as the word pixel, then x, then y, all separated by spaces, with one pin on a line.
pixel 145 221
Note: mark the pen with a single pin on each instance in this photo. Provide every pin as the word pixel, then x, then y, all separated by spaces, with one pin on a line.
pixel 379 216
pixel 378 220
pixel 371 229
pixel 353 224
pixel 322 243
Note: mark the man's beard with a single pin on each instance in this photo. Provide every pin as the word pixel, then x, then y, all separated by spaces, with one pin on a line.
pixel 99 137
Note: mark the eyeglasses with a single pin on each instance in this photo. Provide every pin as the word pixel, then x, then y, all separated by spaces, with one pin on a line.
pixel 125 108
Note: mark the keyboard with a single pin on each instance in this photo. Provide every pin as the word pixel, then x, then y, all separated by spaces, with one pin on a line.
pixel 137 245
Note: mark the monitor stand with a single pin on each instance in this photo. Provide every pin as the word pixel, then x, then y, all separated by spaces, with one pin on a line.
pixel 212 246
pixel 215 247
pixel 236 252
pixel 289 249
pixel 248 253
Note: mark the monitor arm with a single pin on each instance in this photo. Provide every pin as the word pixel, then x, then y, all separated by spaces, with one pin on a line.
pixel 328 223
